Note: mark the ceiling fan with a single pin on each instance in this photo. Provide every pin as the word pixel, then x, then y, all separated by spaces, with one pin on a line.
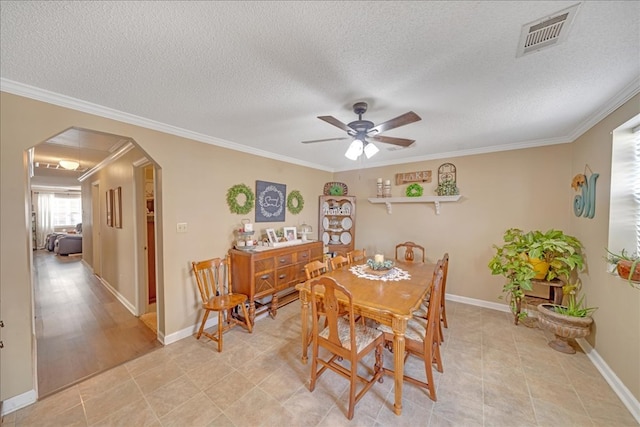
pixel 359 130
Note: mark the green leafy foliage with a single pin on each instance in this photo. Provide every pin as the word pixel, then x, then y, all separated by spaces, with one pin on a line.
pixel 447 187
pixel 511 260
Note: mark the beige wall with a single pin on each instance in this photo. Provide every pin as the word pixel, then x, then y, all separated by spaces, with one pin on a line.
pixel 525 188
pixel 194 178
pixel 616 332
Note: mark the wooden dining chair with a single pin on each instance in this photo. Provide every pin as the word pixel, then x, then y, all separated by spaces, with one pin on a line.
pixel 422 310
pixel 409 248
pixel 339 261
pixel 342 337
pixel 422 338
pixel 315 269
pixel 357 255
pixel 214 283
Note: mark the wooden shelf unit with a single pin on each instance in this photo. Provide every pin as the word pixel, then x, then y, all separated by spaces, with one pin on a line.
pixel 337 217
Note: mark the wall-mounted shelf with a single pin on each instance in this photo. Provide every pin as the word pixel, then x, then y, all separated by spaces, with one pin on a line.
pixel 436 200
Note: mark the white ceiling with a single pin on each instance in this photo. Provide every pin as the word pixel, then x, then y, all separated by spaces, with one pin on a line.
pixel 255 75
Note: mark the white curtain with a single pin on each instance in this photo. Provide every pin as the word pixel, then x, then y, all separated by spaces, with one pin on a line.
pixel 44 217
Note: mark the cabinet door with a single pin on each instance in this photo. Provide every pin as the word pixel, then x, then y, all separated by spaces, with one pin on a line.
pixel 337 225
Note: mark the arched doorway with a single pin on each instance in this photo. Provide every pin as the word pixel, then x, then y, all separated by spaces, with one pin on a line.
pixel 92 326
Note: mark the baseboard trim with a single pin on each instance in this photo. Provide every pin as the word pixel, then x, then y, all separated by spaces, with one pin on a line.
pixel 18 402
pixel 625 395
pixel 119 296
pixel 192 330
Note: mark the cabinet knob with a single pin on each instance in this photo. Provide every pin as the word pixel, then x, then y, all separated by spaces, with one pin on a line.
pixel 282 276
pixel 264 277
pixel 282 260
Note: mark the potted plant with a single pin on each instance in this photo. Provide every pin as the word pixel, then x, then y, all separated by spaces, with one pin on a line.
pixel 626 265
pixel 511 261
pixel 519 257
pixel 570 321
pixel 447 187
pixel 561 252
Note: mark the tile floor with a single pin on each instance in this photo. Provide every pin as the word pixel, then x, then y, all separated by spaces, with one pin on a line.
pixel 495 374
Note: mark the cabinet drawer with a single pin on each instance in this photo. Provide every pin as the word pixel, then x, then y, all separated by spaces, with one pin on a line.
pixel 265 264
pixel 303 257
pixel 286 277
pixel 299 274
pixel 265 283
pixel 284 260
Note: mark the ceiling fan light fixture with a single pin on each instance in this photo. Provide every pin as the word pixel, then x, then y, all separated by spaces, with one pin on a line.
pixel 370 150
pixel 69 164
pixel 355 150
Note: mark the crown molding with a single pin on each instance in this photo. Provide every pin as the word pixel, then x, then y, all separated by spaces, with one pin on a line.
pixel 16 88
pixel 60 100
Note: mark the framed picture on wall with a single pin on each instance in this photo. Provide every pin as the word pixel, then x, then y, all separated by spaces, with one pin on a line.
pixel 109 209
pixel 117 208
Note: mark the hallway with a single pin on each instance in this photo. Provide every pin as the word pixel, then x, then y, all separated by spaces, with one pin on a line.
pixel 81 328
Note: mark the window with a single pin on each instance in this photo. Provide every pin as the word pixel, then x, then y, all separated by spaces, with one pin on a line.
pixel 624 214
pixel 67 210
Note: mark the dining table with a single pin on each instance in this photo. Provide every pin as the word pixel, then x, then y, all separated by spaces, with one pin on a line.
pixel 389 298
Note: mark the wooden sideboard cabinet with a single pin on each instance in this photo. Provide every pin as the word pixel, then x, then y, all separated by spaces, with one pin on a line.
pixel 268 272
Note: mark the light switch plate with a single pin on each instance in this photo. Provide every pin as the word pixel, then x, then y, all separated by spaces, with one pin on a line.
pixel 181 227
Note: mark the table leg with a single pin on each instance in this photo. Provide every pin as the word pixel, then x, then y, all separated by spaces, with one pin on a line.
pixel 305 327
pixel 399 327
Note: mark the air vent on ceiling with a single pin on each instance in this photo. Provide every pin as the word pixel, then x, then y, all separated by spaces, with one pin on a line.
pixel 546 32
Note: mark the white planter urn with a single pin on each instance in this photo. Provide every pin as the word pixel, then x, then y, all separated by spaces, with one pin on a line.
pixel 564 327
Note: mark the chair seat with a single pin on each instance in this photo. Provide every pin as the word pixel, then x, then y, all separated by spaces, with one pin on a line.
pixel 364 334
pixel 416 329
pixel 422 310
pixel 223 302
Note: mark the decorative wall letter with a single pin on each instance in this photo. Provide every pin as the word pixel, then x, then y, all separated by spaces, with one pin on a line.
pixel 585 204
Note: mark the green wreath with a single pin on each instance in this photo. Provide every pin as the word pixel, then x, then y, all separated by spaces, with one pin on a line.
pixel 414 190
pixel 295 196
pixel 232 199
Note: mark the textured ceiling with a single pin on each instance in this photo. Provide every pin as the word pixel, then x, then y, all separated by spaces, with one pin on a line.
pixel 254 75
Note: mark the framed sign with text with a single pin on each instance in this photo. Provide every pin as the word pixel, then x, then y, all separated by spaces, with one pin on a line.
pixel 270 201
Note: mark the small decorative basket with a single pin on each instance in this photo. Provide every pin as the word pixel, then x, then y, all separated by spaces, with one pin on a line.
pixel 380 266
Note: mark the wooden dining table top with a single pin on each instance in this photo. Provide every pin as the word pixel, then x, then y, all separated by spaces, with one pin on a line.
pixel 396 297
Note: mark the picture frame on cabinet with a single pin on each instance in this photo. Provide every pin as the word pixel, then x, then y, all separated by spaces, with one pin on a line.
pixel 290 233
pixel 271 235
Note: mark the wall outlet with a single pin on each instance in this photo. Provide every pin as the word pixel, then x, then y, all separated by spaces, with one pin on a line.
pixel 181 227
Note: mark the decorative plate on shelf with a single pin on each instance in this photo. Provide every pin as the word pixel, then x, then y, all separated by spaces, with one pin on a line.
pixel 347 223
pixel 335 189
pixel 345 238
pixel 325 238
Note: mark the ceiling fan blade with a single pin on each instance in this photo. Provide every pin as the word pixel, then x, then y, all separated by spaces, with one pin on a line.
pixel 395 141
pixel 337 123
pixel 328 139
pixel 402 120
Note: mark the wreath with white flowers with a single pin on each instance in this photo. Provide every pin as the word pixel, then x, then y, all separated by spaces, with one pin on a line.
pixel 232 199
pixel 295 202
pixel 414 190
